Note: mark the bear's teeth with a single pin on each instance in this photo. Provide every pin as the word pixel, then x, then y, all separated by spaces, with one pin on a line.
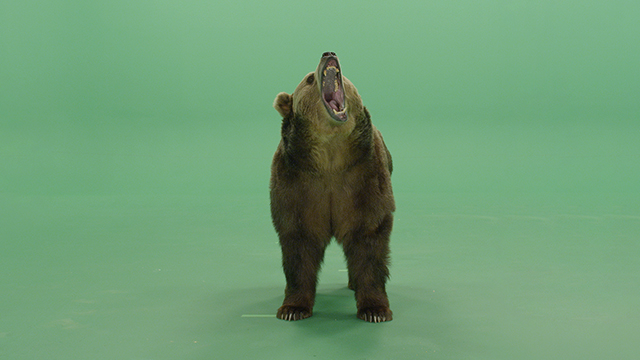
pixel 330 67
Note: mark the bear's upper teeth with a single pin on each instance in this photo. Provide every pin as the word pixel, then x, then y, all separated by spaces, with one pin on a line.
pixel 330 68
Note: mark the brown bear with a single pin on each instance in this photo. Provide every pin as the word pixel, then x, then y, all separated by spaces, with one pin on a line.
pixel 331 177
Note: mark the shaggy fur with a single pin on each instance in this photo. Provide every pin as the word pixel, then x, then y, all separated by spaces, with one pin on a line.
pixel 331 179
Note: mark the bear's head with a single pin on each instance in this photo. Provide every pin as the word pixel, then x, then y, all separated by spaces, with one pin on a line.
pixel 324 97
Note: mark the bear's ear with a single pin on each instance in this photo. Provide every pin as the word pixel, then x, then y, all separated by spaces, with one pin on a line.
pixel 284 104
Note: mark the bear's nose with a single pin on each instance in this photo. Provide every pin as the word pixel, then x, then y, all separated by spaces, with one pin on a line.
pixel 329 53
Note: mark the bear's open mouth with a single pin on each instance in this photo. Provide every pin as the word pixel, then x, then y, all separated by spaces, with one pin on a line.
pixel 332 88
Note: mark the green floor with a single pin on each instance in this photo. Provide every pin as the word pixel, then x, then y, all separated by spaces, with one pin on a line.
pixel 135 144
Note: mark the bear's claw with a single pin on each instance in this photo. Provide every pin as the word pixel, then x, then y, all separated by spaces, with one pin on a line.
pixel 293 313
pixel 375 315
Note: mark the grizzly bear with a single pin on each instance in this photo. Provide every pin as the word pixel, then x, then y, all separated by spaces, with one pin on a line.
pixel 331 178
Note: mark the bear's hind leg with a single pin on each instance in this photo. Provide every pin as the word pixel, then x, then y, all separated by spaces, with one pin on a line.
pixel 301 261
pixel 367 260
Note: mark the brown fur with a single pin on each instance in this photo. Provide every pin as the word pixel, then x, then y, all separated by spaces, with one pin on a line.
pixel 331 179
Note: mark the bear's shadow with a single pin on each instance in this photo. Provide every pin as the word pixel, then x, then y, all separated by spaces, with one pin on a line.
pixel 335 303
pixel 421 313
pixel 334 317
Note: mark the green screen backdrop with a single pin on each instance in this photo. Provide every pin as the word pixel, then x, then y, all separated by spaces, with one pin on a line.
pixel 135 144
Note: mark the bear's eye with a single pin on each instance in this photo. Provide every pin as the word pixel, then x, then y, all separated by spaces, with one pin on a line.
pixel 310 79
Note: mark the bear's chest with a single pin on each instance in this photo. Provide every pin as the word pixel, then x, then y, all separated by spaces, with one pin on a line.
pixel 332 157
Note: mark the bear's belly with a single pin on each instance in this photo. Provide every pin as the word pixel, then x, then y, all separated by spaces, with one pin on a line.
pixel 332 206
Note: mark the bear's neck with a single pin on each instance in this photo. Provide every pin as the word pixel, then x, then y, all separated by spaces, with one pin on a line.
pixel 318 150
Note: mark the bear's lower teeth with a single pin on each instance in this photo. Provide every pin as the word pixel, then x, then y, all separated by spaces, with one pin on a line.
pixel 335 106
pixel 331 68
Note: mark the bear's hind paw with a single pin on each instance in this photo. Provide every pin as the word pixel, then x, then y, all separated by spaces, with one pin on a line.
pixel 293 313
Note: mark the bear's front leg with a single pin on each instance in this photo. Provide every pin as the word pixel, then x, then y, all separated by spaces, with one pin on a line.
pixel 367 256
pixel 301 260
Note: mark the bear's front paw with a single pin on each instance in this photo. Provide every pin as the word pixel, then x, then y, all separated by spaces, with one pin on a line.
pixel 293 313
pixel 375 314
